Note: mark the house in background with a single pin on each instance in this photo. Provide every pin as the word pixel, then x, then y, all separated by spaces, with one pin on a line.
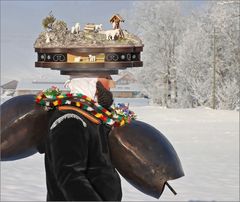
pixel 8 89
pixel 126 86
pixel 34 87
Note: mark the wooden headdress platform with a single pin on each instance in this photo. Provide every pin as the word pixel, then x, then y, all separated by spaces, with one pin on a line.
pixel 92 50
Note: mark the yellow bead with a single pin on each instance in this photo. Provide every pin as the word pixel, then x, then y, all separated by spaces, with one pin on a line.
pixel 108 113
pixel 88 98
pixel 98 115
pixel 55 103
pixel 122 123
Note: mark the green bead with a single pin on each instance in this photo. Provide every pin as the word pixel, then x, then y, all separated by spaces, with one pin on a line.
pixel 42 102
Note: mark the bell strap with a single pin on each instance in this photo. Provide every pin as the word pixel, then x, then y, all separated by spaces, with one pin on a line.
pixel 82 112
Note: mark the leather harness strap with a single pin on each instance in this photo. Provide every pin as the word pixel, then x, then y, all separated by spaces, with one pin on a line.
pixel 85 114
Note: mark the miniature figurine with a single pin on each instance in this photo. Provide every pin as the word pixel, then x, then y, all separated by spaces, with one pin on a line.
pixel 92 58
pixel 112 34
pixel 98 28
pixel 48 39
pixel 90 27
pixel 76 28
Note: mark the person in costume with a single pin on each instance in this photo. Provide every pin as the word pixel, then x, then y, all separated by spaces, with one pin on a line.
pixel 77 158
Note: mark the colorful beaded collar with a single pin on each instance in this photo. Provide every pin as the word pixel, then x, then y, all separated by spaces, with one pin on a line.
pixel 118 115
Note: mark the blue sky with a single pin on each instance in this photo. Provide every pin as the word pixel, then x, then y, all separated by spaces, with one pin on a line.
pixel 21 24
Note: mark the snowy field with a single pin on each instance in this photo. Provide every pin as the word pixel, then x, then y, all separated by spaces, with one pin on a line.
pixel 207 142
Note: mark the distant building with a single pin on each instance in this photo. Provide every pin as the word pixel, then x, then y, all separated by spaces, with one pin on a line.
pixel 9 88
pixel 34 87
pixel 126 86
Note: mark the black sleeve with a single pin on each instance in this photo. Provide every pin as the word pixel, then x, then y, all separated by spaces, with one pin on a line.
pixel 69 151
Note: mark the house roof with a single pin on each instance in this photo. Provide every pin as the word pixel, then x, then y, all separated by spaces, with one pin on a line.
pixel 134 87
pixel 128 77
pixel 124 76
pixel 116 77
pixel 39 85
pixel 10 85
pixel 116 16
pixel 43 85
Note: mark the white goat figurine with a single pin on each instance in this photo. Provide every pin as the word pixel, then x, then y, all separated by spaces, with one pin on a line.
pixel 92 58
pixel 76 28
pixel 98 28
pixel 111 34
pixel 48 39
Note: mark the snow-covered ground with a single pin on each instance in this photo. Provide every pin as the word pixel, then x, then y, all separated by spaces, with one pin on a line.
pixel 207 142
pixel 4 98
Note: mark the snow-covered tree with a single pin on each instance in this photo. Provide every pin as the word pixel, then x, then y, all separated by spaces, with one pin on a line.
pixel 192 59
pixel 194 67
pixel 159 25
pixel 225 16
pixel 210 47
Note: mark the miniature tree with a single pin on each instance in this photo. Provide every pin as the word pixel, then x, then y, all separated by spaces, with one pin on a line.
pixel 48 21
pixel 59 25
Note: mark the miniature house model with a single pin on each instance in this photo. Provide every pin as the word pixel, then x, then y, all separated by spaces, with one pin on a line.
pixel 92 50
pixel 115 20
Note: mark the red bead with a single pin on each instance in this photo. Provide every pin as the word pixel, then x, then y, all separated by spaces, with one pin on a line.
pixel 104 118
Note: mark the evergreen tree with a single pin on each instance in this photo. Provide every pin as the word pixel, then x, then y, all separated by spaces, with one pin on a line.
pixel 48 21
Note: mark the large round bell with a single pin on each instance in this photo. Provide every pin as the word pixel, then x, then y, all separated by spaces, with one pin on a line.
pixel 144 157
pixel 23 126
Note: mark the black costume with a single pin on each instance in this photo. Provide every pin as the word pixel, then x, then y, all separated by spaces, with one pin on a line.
pixel 77 160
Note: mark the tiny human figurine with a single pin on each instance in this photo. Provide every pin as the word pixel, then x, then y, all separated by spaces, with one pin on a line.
pixel 77 160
